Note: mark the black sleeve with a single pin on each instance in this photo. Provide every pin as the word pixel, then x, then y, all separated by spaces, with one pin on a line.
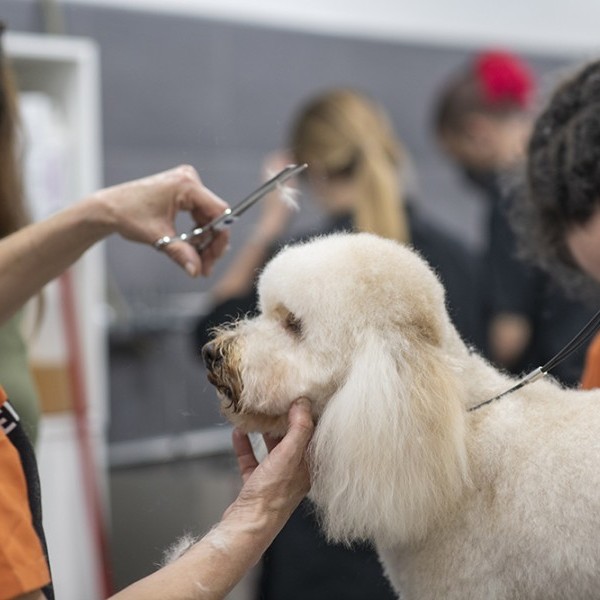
pixel 513 286
pixel 510 285
pixel 558 320
pixel 459 270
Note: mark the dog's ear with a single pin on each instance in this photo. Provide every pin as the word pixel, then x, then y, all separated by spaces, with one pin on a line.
pixel 389 449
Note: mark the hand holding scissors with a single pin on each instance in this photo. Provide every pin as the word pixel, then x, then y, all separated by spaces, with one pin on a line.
pixel 201 237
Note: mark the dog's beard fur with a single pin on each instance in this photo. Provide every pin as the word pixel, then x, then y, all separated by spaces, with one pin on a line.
pixel 225 373
pixel 260 375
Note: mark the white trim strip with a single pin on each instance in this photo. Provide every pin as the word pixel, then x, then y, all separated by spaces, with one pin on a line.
pixel 168 448
pixel 535 25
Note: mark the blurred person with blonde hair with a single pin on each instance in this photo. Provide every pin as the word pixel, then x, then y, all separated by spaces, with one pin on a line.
pixel 355 161
pixel 358 172
pixel 361 178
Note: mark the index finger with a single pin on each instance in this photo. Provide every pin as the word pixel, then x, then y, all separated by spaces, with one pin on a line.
pixel 204 204
pixel 215 249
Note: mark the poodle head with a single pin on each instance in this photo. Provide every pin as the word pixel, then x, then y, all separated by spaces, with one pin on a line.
pixel 319 302
pixel 358 325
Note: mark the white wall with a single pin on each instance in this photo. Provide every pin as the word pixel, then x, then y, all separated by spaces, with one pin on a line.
pixel 542 25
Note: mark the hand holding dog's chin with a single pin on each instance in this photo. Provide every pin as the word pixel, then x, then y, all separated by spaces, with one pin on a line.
pixel 274 488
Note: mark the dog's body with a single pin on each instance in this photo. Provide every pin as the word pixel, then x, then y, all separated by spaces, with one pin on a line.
pixel 499 503
pixel 528 526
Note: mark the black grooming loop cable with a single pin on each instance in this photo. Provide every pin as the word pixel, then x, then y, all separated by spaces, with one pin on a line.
pixel 581 338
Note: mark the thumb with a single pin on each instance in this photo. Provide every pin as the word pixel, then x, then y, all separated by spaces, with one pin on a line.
pixel 185 256
pixel 301 425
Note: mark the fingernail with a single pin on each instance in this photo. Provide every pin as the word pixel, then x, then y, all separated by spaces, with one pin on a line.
pixel 190 269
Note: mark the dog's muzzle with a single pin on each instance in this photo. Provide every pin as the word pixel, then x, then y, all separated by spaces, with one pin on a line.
pixel 220 373
pixel 211 356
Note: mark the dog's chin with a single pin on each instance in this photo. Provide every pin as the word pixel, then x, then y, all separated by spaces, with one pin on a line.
pixel 252 422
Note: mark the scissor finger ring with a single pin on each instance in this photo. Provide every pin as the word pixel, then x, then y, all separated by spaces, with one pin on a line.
pixel 163 242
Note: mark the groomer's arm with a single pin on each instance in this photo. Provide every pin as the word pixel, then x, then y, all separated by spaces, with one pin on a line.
pixel 272 490
pixel 141 211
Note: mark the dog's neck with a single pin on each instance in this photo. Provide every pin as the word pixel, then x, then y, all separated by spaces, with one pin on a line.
pixel 480 379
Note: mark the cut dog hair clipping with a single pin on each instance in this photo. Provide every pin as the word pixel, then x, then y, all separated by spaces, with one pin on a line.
pixel 287 194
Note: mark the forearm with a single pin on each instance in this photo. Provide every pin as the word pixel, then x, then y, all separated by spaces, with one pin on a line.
pixel 211 568
pixel 239 277
pixel 140 211
pixel 35 255
pixel 271 492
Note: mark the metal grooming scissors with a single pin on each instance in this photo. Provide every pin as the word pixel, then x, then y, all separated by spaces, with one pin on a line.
pixel 200 237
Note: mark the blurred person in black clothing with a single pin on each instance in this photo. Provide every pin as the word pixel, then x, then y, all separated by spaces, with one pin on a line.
pixel 483 121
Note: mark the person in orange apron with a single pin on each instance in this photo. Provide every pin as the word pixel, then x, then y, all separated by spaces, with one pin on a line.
pixel 23 558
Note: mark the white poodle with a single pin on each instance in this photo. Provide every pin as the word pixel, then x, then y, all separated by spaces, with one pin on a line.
pixel 502 502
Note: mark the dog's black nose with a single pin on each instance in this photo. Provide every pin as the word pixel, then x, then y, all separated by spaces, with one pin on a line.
pixel 210 356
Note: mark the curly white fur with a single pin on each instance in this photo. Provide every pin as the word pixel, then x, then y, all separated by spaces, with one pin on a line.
pixel 500 503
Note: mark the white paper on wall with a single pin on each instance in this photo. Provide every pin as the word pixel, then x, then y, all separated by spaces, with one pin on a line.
pixel 45 147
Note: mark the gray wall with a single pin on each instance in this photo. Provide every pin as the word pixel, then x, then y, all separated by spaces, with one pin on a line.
pixel 220 96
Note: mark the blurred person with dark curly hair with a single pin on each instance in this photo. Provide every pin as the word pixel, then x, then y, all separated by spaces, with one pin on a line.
pixel 559 219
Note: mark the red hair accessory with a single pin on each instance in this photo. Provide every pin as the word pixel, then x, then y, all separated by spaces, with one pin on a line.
pixel 505 78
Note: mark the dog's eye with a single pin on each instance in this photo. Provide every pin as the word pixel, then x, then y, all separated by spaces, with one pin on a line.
pixel 293 324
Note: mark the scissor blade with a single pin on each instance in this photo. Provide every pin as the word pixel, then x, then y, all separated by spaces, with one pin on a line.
pixel 281 177
pixel 230 215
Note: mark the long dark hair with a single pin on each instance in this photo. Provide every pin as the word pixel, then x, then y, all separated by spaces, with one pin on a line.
pixel 13 211
pixel 13 214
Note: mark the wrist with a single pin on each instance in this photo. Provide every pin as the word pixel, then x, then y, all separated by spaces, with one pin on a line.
pixel 240 538
pixel 255 520
pixel 98 214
